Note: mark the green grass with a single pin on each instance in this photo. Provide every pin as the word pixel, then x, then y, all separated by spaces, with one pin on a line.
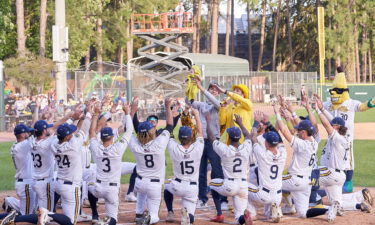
pixel 363 175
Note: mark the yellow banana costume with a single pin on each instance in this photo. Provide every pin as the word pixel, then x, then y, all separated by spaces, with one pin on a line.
pixel 191 90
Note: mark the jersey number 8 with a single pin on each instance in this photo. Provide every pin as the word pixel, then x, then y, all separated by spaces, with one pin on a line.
pixel 149 161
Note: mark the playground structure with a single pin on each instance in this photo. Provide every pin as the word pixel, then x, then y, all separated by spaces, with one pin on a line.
pixel 165 75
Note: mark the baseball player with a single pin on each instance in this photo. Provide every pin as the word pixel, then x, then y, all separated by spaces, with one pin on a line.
pixel 235 162
pixel 67 152
pixel 271 161
pixel 149 152
pixel 186 159
pixel 108 155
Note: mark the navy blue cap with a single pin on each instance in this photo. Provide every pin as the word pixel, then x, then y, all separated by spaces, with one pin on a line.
pixel 101 116
pixel 22 128
pixel 106 132
pixel 145 126
pixel 272 137
pixel 185 132
pixel 305 125
pixel 234 133
pixel 338 121
pixel 65 129
pixel 41 125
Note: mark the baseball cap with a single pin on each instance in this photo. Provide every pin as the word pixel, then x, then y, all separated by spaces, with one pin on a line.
pixel 145 126
pixel 305 125
pixel 152 117
pixel 272 137
pixel 234 133
pixel 41 125
pixel 22 128
pixel 101 116
pixel 212 84
pixel 106 132
pixel 185 132
pixel 65 129
pixel 338 121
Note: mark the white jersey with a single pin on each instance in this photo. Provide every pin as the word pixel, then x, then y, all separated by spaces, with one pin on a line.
pixel 186 162
pixel 270 166
pixel 68 158
pixel 235 161
pixel 43 157
pixel 304 156
pixel 109 159
pixel 339 147
pixel 22 160
pixel 150 157
pixel 347 112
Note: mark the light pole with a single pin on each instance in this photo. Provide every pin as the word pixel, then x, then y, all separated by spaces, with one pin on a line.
pixel 2 110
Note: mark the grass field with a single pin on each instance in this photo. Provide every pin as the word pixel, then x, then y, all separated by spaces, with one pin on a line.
pixel 363 176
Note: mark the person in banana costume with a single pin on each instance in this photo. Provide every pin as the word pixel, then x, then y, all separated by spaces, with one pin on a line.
pixel 342 105
pixel 192 90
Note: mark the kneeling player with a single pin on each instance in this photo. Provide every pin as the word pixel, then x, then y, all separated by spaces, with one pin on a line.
pixel 186 159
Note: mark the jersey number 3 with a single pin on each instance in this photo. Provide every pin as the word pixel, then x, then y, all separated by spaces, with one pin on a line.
pixel 108 165
pixel 37 160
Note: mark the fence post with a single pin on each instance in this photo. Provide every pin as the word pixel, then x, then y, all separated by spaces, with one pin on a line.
pixel 2 110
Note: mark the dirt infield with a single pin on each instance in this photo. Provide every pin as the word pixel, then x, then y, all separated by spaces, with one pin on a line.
pixel 127 214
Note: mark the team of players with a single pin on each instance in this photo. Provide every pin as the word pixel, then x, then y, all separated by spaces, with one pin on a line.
pixel 37 159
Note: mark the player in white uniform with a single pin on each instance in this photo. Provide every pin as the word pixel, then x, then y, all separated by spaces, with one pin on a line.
pixel 68 154
pixel 271 161
pixel 149 152
pixel 186 159
pixel 235 162
pixel 108 155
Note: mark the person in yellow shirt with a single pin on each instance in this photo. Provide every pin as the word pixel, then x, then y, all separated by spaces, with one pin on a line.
pixel 239 104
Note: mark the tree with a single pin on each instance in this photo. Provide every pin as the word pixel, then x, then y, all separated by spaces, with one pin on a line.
pixel 262 35
pixel 21 37
pixel 275 36
pixel 227 28
pixel 8 33
pixel 42 30
pixel 214 26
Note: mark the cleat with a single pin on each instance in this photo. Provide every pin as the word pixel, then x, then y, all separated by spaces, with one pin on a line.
pixel 130 197
pixel 288 210
pixel 9 219
pixel 202 205
pixel 275 213
pixel 332 211
pixel 367 196
pixel 43 217
pixel 247 217
pixel 170 217
pixel 365 207
pixel 218 219
pixel 224 206
pixel 185 219
pixel 146 219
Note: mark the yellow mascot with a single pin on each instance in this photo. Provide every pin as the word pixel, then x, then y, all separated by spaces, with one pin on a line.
pixel 191 90
pixel 342 105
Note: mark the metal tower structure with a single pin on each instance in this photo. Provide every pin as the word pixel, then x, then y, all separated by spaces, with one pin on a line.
pixel 160 31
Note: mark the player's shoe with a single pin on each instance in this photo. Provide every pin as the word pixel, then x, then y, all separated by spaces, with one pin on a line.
pixel 365 207
pixel 247 217
pixel 332 211
pixel 340 211
pixel 43 217
pixel 86 203
pixel 170 217
pixel 289 209
pixel 130 197
pixel 185 218
pixel 101 201
pixel 224 206
pixel 146 219
pixel 202 205
pixel 218 219
pixel 83 217
pixel 275 213
pixel 9 219
pixel 367 196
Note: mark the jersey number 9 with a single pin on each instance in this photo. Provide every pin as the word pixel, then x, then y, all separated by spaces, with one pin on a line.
pixel 274 170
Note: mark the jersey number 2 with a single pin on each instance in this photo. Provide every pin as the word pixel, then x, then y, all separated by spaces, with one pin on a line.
pixel 65 161
pixel 238 163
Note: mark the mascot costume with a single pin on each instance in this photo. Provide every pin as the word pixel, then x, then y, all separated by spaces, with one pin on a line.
pixel 192 90
pixel 342 105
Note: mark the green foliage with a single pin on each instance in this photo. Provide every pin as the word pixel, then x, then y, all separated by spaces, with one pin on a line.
pixel 31 71
pixel 7 29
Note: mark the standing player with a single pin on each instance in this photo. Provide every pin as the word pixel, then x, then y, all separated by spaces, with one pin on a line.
pixel 235 162
pixel 186 158
pixel 149 152
pixel 108 157
pixel 271 161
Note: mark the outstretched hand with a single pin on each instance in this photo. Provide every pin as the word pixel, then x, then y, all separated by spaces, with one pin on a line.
pixel 238 119
pixel 258 116
pixel 318 102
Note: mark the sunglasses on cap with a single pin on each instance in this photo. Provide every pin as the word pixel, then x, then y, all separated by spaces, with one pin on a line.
pixel 338 90
pixel 152 118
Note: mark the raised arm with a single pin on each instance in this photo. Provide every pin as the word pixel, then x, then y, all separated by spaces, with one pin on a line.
pixel 295 119
pixel 94 121
pixel 127 122
pixel 325 122
pixel 198 122
pixel 36 112
pixel 245 132
pixel 209 96
pixel 283 129
pixel 306 103
pixel 168 111
pixel 319 105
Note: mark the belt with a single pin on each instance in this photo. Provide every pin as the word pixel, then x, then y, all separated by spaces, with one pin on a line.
pixel 66 182
pixel 300 176
pixel 40 179
pixel 232 179
pixel 19 180
pixel 191 183
pixel 337 170
pixel 151 180
pixel 110 184
pixel 252 164
pixel 268 191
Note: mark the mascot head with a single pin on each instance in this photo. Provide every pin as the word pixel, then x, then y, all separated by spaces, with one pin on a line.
pixel 340 91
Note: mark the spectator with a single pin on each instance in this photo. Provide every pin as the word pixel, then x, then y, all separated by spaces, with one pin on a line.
pixel 60 109
pixel 32 105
